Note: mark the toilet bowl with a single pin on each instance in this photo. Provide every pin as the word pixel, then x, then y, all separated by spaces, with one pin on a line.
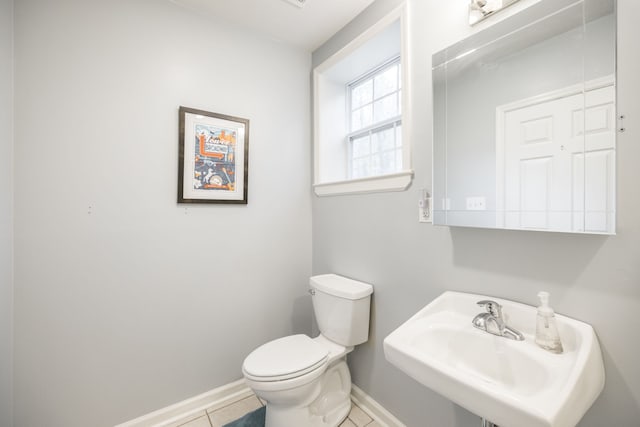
pixel 305 381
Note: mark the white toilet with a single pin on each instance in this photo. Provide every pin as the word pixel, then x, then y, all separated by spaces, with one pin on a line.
pixel 305 381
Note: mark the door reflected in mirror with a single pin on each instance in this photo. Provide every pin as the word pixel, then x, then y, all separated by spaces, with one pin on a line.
pixel 525 122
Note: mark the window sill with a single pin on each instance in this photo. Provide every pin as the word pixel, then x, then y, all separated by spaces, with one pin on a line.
pixel 376 184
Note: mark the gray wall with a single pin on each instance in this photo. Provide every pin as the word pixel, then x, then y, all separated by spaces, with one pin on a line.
pixel 357 26
pixel 126 302
pixel 377 238
pixel 6 210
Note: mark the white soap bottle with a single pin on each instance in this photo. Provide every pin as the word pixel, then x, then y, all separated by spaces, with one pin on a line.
pixel 547 336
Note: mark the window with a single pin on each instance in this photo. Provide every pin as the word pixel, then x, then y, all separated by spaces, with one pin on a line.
pixel 375 117
pixel 359 116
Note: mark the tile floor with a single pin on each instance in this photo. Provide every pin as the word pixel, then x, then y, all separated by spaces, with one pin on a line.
pixel 218 417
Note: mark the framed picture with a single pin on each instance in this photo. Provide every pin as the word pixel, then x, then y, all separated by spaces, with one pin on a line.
pixel 213 158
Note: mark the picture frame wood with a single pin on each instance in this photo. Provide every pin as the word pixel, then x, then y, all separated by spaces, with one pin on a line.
pixel 213 157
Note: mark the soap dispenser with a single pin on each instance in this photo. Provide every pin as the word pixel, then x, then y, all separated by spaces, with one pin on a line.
pixel 547 336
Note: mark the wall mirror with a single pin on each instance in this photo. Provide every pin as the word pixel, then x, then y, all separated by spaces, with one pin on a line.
pixel 525 122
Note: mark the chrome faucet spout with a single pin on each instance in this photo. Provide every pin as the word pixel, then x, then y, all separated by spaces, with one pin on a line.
pixel 493 322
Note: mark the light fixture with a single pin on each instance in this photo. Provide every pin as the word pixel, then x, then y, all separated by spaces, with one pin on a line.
pixel 481 9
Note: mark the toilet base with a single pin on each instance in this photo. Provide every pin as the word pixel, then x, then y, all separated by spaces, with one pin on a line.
pixel 301 417
pixel 329 409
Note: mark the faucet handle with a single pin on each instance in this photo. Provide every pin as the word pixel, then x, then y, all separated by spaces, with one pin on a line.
pixel 492 307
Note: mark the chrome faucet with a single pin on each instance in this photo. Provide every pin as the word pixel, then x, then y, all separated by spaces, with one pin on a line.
pixel 493 322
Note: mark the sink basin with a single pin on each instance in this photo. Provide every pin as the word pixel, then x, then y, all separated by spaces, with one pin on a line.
pixel 510 383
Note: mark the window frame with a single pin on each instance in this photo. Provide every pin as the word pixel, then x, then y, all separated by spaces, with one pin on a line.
pixel 375 127
pixel 398 181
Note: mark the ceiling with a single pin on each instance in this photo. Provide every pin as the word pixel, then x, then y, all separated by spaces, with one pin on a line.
pixel 307 27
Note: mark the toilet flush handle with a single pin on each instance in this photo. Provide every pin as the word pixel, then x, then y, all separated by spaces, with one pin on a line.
pixel 312 292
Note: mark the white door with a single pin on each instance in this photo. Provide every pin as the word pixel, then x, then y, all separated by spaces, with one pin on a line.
pixel 594 171
pixel 554 177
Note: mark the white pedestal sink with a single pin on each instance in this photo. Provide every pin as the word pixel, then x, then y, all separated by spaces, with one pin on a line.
pixel 510 383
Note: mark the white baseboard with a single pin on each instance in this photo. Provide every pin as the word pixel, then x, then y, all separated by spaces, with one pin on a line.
pixel 238 390
pixel 216 398
pixel 373 408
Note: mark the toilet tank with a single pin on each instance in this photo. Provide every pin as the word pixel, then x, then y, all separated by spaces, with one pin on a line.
pixel 342 308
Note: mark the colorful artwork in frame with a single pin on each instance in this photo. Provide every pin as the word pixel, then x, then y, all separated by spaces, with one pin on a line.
pixel 213 158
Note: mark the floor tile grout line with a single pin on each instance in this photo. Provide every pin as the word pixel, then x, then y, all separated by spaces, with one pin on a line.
pixel 230 404
pixel 191 418
pixel 248 408
pixel 209 413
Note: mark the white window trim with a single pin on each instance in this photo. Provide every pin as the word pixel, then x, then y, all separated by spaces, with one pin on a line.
pixel 374 184
pixel 382 183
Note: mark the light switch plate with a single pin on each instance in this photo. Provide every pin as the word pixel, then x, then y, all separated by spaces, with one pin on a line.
pixel 476 204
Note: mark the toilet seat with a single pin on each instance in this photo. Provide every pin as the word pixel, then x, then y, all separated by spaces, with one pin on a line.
pixel 285 358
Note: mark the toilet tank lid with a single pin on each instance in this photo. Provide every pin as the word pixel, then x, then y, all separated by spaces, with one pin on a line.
pixel 339 286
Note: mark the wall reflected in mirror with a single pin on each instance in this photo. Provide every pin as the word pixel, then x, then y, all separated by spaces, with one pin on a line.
pixel 525 122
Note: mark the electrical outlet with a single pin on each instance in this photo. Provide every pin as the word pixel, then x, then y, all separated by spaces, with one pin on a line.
pixel 424 210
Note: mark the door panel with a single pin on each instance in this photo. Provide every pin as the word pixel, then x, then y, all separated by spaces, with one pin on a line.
pixel 559 174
